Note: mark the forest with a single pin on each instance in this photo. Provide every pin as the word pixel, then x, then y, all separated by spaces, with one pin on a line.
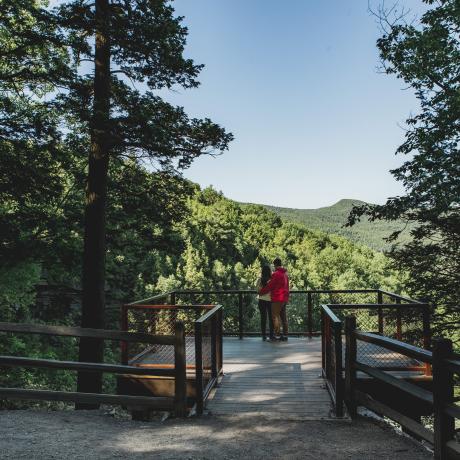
pixel 94 208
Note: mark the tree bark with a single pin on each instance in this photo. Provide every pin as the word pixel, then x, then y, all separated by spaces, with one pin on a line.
pixel 93 279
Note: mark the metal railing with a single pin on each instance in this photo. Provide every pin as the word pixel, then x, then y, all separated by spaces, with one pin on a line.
pixel 440 398
pixel 203 340
pixel 242 316
pixel 208 354
pixel 405 319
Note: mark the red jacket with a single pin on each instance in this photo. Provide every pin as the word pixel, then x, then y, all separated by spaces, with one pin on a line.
pixel 278 286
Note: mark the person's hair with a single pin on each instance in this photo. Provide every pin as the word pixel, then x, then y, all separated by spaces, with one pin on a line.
pixel 277 262
pixel 266 275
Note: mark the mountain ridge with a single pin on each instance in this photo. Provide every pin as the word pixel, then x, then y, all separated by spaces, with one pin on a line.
pixel 331 219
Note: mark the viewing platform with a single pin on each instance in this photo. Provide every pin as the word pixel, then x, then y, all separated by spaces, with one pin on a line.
pixel 201 353
pixel 275 379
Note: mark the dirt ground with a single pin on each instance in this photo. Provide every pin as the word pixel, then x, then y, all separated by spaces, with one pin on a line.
pixel 39 434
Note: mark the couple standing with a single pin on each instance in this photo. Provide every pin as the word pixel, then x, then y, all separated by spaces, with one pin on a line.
pixel 273 289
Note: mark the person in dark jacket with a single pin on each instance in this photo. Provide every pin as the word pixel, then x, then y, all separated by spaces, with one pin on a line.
pixel 278 287
pixel 265 305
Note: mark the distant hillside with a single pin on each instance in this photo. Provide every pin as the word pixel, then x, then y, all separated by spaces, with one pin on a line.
pixel 331 219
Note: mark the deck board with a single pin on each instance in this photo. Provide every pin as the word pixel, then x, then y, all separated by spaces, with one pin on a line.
pixel 278 380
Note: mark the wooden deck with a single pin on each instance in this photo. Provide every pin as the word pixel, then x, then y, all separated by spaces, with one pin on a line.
pixel 279 380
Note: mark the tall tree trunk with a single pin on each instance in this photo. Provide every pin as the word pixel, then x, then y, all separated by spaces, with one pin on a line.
pixel 93 280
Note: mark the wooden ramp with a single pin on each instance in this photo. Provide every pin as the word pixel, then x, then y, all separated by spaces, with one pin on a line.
pixel 280 380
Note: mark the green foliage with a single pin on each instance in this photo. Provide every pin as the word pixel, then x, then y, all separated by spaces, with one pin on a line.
pixel 332 219
pixel 225 244
pixel 426 55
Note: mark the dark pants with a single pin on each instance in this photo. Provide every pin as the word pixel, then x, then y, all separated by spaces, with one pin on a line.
pixel 284 321
pixel 265 308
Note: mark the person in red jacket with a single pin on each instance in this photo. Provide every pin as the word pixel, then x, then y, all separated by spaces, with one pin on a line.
pixel 278 287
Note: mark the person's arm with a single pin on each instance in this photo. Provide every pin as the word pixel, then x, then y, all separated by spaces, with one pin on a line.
pixel 269 286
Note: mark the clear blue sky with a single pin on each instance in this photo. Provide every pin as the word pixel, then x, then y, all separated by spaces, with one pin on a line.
pixel 296 81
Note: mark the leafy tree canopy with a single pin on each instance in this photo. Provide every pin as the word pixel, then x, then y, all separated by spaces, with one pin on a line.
pixel 426 55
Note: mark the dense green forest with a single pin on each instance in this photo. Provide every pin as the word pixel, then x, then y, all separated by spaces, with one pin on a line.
pixel 332 219
pixel 165 233
pixel 68 184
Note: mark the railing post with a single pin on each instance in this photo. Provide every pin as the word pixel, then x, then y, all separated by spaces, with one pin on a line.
pixel 398 321
pixel 173 298
pixel 338 379
pixel 350 360
pixel 199 367
pixel 214 347
pixel 124 327
pixel 310 315
pixel 427 334
pixel 443 393
pixel 240 315
pixel 180 384
pixel 220 329
pixel 323 342
pixel 380 311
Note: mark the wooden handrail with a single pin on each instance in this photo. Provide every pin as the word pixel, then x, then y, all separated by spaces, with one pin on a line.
pixel 66 331
pixel 13 361
pixel 407 387
pixel 441 398
pixel 395 345
pixel 208 314
pixel 178 341
pixel 90 398
pixel 334 318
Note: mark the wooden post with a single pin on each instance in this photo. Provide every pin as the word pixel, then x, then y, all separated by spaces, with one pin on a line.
pixel 338 380
pixel 180 384
pixel 220 329
pixel 310 315
pixel 350 360
pixel 199 367
pixel 124 327
pixel 214 347
pixel 443 393
pixel 380 311
pixel 323 342
pixel 173 298
pixel 240 315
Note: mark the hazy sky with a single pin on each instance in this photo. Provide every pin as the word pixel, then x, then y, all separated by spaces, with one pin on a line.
pixel 297 83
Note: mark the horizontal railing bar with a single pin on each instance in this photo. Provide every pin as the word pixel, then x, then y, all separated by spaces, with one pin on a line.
pixel 294 291
pixel 331 314
pixel 209 314
pixel 91 398
pixel 372 306
pixel 257 334
pixel 395 345
pixel 169 307
pixel 209 387
pixel 452 410
pixel 453 448
pixel 13 361
pixel 66 331
pixel 155 297
pixel 453 365
pixel 407 387
pixel 399 297
pixel 418 429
